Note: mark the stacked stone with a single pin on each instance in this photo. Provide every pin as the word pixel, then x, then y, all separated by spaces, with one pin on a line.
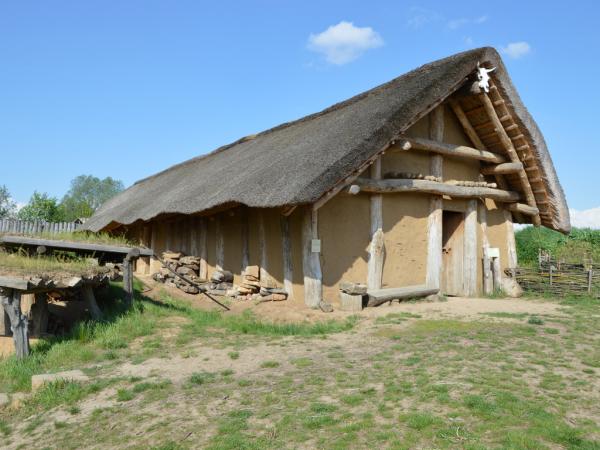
pixel 221 283
pixel 188 266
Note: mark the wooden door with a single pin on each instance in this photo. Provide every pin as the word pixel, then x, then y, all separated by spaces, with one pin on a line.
pixel 453 226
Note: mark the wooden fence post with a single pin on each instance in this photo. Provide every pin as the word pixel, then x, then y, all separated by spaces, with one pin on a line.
pixel 11 301
pixel 133 254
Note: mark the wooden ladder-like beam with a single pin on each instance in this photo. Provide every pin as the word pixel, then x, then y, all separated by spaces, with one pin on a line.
pixel 512 153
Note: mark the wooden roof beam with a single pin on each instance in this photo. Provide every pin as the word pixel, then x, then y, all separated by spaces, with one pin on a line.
pixel 452 150
pixel 502 169
pixel 390 186
pixel 523 209
pixel 508 145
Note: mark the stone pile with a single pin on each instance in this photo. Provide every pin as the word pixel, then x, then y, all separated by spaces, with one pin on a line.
pixel 220 283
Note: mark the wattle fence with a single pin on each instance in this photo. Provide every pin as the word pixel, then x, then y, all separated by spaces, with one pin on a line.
pixel 36 226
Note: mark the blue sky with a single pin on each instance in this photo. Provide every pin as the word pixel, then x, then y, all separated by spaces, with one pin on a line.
pixel 128 88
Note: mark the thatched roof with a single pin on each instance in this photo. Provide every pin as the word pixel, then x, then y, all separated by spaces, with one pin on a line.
pixel 297 162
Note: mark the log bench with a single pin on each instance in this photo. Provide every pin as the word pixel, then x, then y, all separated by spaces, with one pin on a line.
pixel 379 296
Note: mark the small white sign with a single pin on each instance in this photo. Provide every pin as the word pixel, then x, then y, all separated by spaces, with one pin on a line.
pixel 315 246
pixel 494 252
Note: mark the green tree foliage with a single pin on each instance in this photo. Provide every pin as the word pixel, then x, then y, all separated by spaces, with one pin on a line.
pixel 581 243
pixel 7 206
pixel 86 195
pixel 41 207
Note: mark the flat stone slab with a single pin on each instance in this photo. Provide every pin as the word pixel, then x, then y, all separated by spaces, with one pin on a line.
pixel 37 381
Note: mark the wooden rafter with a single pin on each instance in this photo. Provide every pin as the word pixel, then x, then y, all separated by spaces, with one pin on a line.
pixel 512 153
pixel 442 148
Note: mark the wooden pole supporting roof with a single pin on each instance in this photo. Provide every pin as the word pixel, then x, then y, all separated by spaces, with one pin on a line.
pixel 502 169
pixel 453 150
pixel 523 209
pixel 388 186
pixel 510 149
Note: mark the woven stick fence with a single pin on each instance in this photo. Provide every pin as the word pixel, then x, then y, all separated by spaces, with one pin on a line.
pixel 560 278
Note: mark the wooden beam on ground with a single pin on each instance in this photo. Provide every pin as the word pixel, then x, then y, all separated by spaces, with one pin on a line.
pixel 377 246
pixel 514 157
pixel 461 151
pixel 286 247
pixel 380 296
pixel 523 209
pixel 503 169
pixel 434 220
pixel 311 264
pixel 389 186
pixel 470 249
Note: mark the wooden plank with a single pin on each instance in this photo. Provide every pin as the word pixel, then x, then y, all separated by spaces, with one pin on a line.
pixel 502 169
pixel 15 283
pixel 379 296
pixel 470 249
pixel 311 265
pixel 377 246
pixel 286 247
pixel 389 186
pixel 72 246
pixel 461 151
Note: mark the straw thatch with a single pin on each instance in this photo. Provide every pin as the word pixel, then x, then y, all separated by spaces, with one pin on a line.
pixel 297 162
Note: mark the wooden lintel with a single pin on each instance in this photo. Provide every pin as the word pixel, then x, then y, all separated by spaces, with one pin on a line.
pixel 388 186
pixel 502 169
pixel 455 150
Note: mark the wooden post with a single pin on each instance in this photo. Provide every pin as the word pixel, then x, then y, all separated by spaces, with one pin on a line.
pixel 203 272
pixel 311 264
pixel 39 314
pixel 154 263
pixel 590 279
pixel 128 274
pixel 11 301
pixel 245 241
pixel 470 249
pixel 488 281
pixel 511 244
pixel 220 244
pixel 265 277
pixel 377 247
pixel 496 273
pixel 434 221
pixel 286 245
pixel 90 301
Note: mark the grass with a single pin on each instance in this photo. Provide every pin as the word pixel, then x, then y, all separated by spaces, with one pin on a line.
pixel 22 264
pixel 422 384
pixel 86 236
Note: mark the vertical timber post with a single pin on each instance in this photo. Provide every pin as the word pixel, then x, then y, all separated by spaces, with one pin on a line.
pixel 219 243
pixel 286 246
pixel 511 244
pixel 133 254
pixel 265 277
pixel 488 281
pixel 377 246
pixel 203 272
pixel 470 249
pixel 11 302
pixel 245 241
pixel 434 222
pixel 311 264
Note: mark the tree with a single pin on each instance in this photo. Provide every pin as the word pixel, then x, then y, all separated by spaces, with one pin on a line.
pixel 41 207
pixel 7 206
pixel 86 195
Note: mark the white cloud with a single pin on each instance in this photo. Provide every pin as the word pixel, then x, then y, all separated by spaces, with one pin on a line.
pixel 587 218
pixel 343 43
pixel 455 24
pixel 516 50
pixel 420 17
